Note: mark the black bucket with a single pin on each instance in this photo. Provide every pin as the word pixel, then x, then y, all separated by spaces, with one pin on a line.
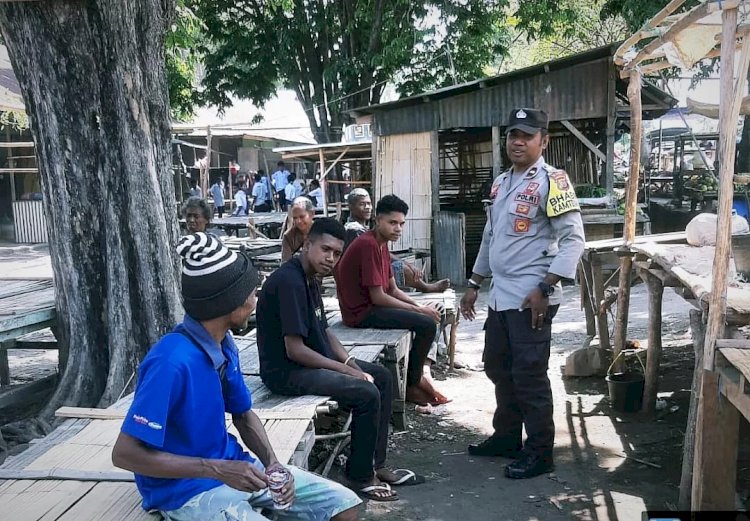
pixel 625 391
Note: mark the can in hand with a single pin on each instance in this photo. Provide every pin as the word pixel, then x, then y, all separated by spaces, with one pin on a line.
pixel 277 478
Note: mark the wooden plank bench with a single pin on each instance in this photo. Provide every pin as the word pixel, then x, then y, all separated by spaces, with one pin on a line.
pixel 25 306
pixel 80 450
pixel 451 317
pixel 397 344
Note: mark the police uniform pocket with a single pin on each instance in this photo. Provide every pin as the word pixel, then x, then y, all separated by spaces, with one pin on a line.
pixel 520 225
pixel 522 212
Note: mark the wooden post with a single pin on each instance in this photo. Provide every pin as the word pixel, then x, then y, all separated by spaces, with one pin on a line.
pixel 602 322
pixel 698 330
pixel 435 178
pixel 609 172
pixel 716 436
pixel 497 152
pixel 730 97
pixel 11 165
pixel 586 300
pixel 655 293
pixel 229 183
pixel 322 159
pixel 626 261
pixel 204 174
pixel 715 460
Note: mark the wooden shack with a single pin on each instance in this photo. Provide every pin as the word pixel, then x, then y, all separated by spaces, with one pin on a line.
pixel 440 150
pixel 21 205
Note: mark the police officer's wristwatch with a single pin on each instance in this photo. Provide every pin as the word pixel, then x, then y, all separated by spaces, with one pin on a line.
pixel 546 289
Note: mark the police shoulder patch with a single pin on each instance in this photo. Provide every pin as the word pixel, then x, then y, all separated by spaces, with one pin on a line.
pixel 562 196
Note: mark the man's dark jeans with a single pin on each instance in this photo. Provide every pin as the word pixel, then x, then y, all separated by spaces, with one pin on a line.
pixel 370 404
pixel 422 326
pixel 516 359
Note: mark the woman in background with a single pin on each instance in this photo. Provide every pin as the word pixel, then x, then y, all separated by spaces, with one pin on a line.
pixel 302 213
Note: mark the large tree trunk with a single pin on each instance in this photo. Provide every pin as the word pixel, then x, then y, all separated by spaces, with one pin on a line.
pixel 93 78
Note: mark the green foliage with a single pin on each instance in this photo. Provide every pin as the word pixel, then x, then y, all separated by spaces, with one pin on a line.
pixel 338 55
pixel 548 30
pixel 14 120
pixel 182 60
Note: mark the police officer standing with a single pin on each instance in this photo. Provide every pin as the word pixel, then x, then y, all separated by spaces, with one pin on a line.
pixel 533 238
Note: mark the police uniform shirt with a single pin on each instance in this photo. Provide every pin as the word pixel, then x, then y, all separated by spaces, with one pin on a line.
pixel 533 228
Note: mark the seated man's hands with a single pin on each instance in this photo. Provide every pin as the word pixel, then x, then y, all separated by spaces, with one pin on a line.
pixel 357 373
pixel 287 492
pixel 241 475
pixel 431 311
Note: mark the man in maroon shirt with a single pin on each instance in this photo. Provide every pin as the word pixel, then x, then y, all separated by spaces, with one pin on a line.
pixel 369 297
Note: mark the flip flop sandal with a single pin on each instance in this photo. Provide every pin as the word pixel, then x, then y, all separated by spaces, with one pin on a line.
pixel 370 492
pixel 407 478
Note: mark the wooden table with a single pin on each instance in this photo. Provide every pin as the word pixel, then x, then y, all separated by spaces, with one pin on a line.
pixel 688 269
pixel 25 306
pixel 253 247
pixel 600 259
pixel 448 301
pixel 397 344
pixel 270 223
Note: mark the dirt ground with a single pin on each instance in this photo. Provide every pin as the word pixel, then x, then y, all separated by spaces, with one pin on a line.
pixel 593 479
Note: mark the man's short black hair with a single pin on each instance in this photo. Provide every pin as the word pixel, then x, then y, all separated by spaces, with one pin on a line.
pixel 391 203
pixel 292 176
pixel 315 182
pixel 327 226
pixel 280 163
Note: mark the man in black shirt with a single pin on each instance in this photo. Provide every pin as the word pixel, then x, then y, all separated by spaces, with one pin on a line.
pixel 299 355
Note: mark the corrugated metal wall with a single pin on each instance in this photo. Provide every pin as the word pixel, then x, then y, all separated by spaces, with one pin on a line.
pixel 29 221
pixel 576 92
pixel 450 236
pixel 403 168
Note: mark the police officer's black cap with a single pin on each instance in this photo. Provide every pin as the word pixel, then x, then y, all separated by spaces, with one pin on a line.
pixel 529 121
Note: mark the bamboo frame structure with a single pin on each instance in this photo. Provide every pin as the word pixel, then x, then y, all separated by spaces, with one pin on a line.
pixel 714 459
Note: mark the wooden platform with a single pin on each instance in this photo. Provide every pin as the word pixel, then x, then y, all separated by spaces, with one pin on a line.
pixel 397 344
pixel 596 272
pixel 26 306
pixel 253 247
pixel 69 473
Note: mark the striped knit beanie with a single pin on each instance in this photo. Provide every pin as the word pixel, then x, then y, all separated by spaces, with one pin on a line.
pixel 215 279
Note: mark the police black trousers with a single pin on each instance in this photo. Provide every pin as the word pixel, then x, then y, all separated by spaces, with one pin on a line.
pixel 516 358
pixel 371 407
pixel 422 326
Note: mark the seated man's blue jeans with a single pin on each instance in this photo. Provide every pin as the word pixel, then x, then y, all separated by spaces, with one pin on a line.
pixel 423 327
pixel 316 499
pixel 371 407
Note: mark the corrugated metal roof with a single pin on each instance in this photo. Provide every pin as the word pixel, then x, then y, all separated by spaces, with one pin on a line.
pixel 587 56
pixel 571 88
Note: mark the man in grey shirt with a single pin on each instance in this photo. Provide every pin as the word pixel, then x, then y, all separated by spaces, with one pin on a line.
pixel 533 238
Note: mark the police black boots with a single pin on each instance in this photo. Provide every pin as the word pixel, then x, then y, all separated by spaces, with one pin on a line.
pixel 530 465
pixel 495 446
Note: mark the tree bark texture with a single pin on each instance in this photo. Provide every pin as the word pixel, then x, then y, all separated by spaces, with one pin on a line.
pixel 93 78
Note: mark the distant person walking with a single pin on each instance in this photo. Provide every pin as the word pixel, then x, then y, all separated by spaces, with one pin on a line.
pixel 240 199
pixel 217 192
pixel 261 194
pixel 195 190
pixel 280 180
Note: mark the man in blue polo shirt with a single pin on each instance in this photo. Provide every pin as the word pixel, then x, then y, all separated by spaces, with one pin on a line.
pixel 174 438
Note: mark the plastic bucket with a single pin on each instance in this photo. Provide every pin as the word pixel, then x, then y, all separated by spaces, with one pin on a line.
pixel 625 391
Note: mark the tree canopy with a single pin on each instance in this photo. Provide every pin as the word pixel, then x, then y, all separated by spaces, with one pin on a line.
pixel 340 55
